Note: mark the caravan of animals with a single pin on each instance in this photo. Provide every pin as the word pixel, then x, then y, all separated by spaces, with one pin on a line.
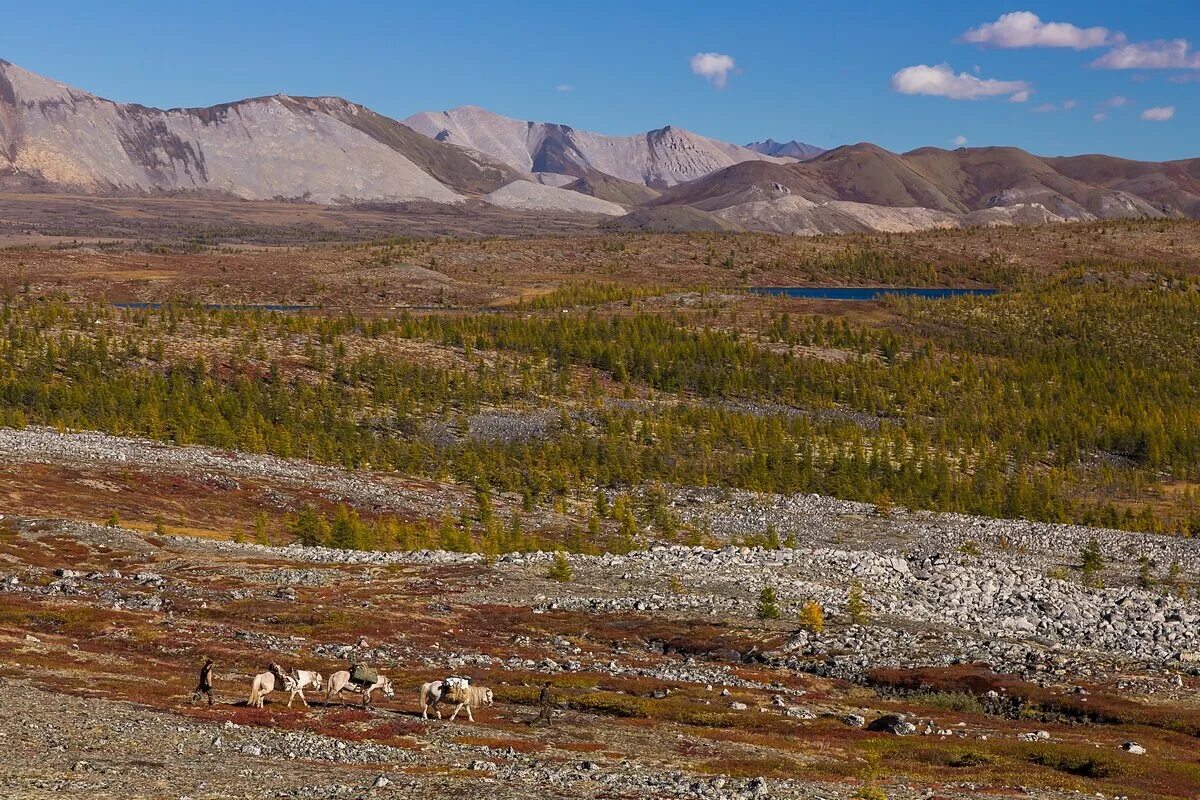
pixel 359 679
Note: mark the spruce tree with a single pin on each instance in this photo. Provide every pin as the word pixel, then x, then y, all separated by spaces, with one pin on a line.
pixel 856 605
pixel 1091 562
pixel 560 570
pixel 768 604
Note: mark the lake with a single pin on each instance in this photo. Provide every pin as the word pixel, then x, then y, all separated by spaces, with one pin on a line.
pixel 866 292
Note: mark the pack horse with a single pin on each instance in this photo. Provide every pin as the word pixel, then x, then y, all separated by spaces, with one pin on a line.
pixel 359 678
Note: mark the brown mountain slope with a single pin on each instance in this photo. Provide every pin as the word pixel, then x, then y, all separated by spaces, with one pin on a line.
pixel 669 219
pixel 957 182
pixel 614 190
pixel 1169 184
pixel 747 182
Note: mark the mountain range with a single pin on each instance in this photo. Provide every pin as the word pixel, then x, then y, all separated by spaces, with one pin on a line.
pixel 55 138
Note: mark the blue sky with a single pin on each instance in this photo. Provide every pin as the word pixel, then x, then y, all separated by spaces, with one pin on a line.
pixel 823 73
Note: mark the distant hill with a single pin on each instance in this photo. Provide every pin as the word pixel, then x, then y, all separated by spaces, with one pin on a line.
pixel 864 187
pixel 793 149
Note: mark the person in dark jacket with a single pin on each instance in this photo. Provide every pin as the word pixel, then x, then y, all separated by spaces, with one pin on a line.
pixel 205 686
pixel 546 706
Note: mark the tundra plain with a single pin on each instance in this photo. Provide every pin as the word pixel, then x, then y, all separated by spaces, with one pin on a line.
pixel 759 546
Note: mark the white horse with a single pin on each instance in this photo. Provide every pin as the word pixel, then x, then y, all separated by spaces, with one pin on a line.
pixel 298 681
pixel 433 692
pixel 431 695
pixel 262 685
pixel 340 682
pixel 477 697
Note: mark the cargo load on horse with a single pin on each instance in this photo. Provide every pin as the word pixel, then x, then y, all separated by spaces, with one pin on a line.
pixel 454 689
pixel 363 675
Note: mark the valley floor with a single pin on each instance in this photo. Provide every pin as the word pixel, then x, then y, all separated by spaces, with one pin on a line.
pixel 569 459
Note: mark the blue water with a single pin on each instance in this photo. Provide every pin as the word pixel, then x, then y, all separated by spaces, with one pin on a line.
pixel 221 307
pixel 865 292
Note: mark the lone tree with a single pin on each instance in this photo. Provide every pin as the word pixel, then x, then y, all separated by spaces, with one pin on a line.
pixel 884 505
pixel 856 605
pixel 1091 561
pixel 812 617
pixel 772 537
pixel 768 604
pixel 1146 579
pixel 560 570
pixel 260 528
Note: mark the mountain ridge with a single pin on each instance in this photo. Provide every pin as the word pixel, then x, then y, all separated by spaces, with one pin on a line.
pixel 657 158
pixel 329 150
pixel 321 149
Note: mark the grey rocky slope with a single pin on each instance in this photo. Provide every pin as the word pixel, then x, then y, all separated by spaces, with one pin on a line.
pixel 54 137
pixel 658 158
pixel 530 196
pixel 965 588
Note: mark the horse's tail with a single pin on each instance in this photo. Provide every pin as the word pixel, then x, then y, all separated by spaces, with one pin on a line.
pixel 253 692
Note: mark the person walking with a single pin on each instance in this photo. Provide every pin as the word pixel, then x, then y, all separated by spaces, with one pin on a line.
pixel 205 686
pixel 546 706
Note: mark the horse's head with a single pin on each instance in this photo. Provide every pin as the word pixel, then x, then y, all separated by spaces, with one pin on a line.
pixel 317 680
pixel 387 688
pixel 487 697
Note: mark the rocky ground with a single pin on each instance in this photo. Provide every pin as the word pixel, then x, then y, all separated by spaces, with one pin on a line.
pixel 984 667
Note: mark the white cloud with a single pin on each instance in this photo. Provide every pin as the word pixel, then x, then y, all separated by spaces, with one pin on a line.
pixel 564 87
pixel 1044 108
pixel 1100 116
pixel 1069 104
pixel 1159 113
pixel 713 67
pixel 941 81
pixel 959 141
pixel 1185 78
pixel 1116 101
pixel 1026 29
pixel 1159 54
